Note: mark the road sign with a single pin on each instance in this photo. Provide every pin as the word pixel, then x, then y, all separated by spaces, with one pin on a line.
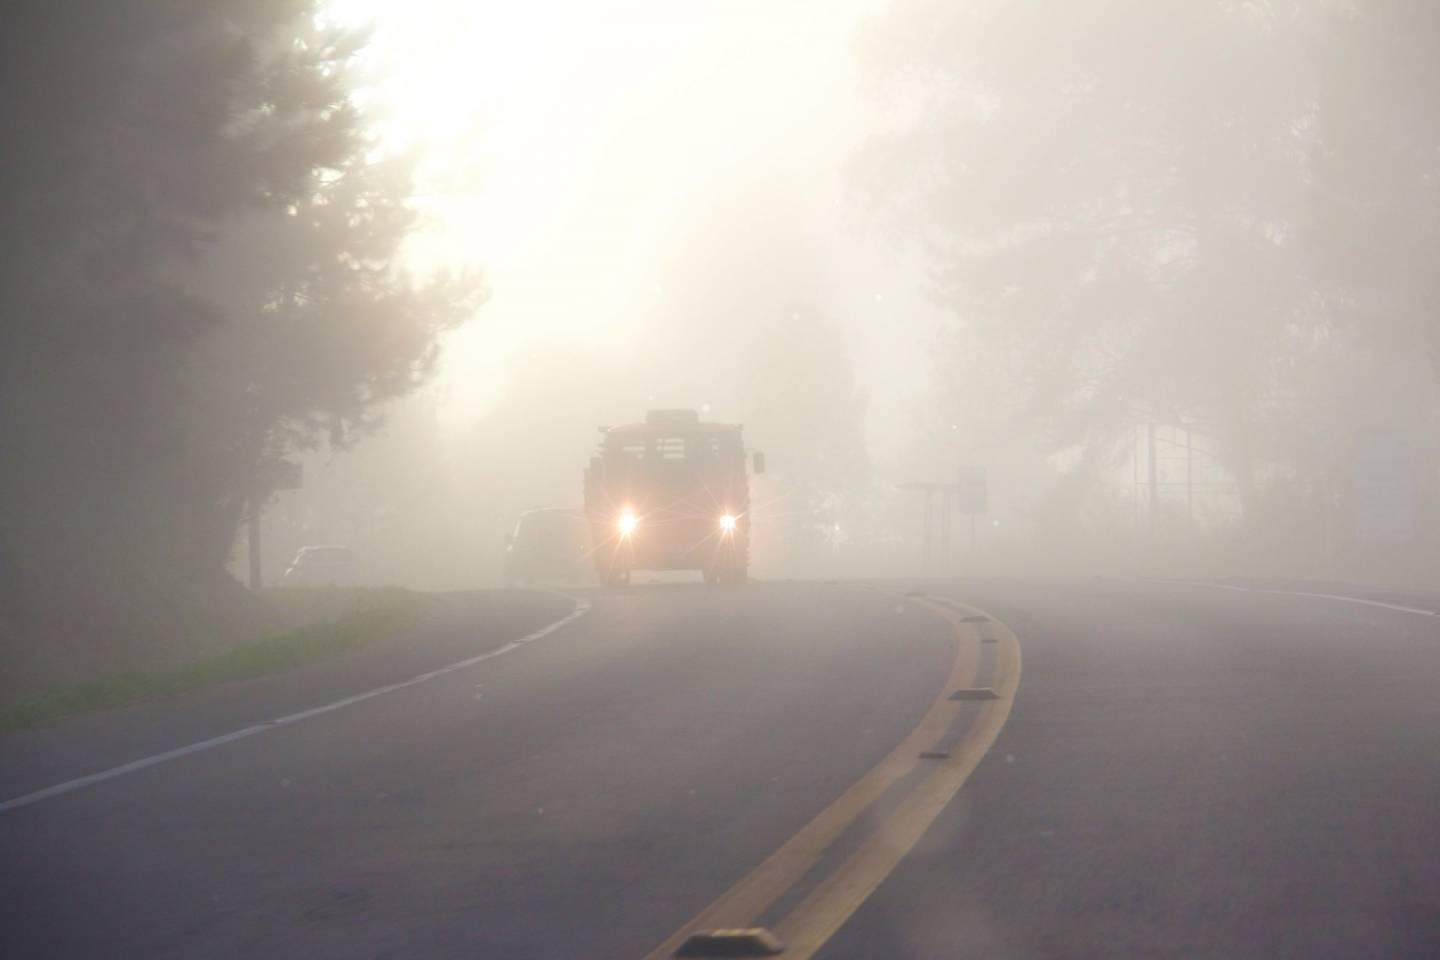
pixel 1384 488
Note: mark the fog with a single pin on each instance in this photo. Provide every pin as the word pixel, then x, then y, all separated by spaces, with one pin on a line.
pixel 1132 287
pixel 651 194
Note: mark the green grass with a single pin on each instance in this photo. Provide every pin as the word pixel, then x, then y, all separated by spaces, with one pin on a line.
pixel 383 613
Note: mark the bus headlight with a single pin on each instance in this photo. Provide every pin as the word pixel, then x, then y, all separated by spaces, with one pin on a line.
pixel 627 522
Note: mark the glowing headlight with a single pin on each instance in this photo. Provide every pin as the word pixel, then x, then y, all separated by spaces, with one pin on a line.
pixel 727 523
pixel 627 522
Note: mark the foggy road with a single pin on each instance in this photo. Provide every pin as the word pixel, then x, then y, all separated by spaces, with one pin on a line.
pixel 1184 769
pixel 872 373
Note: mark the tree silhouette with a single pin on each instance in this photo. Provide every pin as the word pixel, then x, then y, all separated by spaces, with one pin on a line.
pixel 199 274
pixel 1220 213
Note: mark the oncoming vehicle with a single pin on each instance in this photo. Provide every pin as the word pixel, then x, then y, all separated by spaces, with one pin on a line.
pixel 550 544
pixel 321 566
pixel 671 493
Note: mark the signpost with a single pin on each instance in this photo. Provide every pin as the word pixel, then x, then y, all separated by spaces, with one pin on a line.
pixel 272 476
pixel 969 496
pixel 973 495
pixel 972 490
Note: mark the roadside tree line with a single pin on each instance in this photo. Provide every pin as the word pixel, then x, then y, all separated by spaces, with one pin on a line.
pixel 200 275
pixel 1224 214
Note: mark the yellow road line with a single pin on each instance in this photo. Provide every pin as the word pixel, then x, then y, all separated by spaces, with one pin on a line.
pixel 806 928
pixel 750 897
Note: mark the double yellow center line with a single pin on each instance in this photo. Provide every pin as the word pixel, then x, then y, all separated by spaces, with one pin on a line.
pixel 836 896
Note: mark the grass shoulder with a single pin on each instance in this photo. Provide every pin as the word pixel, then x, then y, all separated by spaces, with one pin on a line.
pixel 362 618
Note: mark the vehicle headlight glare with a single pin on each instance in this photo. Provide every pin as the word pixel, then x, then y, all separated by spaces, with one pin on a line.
pixel 627 522
pixel 727 523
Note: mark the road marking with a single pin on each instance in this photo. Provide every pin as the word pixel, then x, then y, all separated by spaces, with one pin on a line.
pixel 582 607
pixel 827 907
pixel 1421 611
pixel 813 921
pixel 975 693
pixel 751 942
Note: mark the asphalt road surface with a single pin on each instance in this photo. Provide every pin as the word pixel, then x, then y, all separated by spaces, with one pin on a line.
pixel 1177 770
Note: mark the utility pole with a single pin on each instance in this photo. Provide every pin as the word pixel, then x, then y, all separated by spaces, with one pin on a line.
pixel 929 532
pixel 1189 483
pixel 1135 471
pixel 945 524
pixel 272 474
pixel 1153 475
pixel 253 536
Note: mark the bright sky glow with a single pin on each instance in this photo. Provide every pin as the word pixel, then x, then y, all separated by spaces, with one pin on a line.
pixel 560 139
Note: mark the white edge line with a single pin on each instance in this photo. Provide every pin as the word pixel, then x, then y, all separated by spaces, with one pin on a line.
pixel 582 607
pixel 1316 596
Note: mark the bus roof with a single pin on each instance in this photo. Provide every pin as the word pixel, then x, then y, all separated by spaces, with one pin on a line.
pixel 699 426
pixel 670 421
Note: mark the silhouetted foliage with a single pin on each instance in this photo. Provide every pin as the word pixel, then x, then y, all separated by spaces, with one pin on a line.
pixel 1377 167
pixel 1221 214
pixel 198 275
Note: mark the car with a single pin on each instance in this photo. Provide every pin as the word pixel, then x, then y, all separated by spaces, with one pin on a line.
pixel 322 566
pixel 548 545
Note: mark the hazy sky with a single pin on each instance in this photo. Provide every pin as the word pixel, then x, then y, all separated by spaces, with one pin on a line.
pixel 562 139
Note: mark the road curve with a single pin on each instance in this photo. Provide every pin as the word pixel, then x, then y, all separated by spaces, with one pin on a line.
pixel 1187 770
pixel 1190 770
pixel 584 795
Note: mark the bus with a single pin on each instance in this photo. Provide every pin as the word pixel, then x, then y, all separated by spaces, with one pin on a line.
pixel 671 493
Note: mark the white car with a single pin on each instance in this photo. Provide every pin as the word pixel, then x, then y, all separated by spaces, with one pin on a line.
pixel 548 545
pixel 322 566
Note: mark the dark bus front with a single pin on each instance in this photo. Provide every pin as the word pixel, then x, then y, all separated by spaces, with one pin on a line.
pixel 670 496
